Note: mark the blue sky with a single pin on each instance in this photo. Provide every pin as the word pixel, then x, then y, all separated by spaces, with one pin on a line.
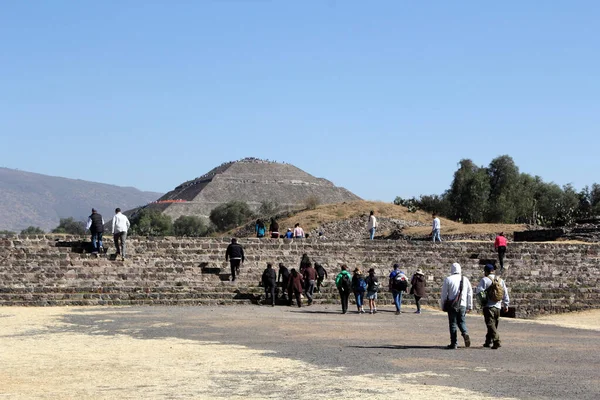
pixel 383 97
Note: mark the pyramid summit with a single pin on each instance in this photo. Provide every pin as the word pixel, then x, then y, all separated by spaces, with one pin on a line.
pixel 253 181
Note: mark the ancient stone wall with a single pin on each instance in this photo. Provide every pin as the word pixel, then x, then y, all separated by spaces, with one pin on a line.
pixel 54 270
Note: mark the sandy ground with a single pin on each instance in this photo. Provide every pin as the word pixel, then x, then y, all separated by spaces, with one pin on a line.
pixel 41 357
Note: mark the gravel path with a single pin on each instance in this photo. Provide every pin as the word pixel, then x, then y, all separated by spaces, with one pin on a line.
pixel 256 352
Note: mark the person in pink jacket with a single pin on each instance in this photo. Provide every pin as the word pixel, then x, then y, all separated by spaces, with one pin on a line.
pixel 500 246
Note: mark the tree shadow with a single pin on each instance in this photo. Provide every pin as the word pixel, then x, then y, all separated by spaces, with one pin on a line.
pixel 399 347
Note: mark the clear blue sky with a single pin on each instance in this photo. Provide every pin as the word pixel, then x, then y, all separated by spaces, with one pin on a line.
pixel 383 97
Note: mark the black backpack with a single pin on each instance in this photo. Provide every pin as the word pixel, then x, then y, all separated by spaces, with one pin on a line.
pixel 346 283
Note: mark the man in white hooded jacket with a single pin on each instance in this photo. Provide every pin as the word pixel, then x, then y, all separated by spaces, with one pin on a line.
pixel 450 290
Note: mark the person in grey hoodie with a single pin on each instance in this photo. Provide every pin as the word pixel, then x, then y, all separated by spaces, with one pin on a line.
pixel 451 290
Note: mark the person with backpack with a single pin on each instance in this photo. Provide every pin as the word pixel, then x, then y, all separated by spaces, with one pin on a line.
pixel 343 281
pixel 310 277
pixel 359 287
pixel 493 295
pixel 283 277
pixel 260 228
pixel 397 285
pixel 268 280
pixel 321 276
pixel 457 300
pixel 417 288
pixel 372 289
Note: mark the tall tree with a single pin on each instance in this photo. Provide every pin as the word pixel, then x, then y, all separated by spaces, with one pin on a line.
pixel 504 184
pixel 469 192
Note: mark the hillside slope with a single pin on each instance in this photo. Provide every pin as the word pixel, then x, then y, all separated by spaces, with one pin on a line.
pixel 30 199
pixel 349 220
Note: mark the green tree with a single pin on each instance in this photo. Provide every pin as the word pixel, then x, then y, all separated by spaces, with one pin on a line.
pixel 149 222
pixel 32 230
pixel 189 226
pixel 504 190
pixel 70 226
pixel 469 193
pixel 229 215
pixel 268 208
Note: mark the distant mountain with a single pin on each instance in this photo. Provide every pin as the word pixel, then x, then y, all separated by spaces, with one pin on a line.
pixel 29 199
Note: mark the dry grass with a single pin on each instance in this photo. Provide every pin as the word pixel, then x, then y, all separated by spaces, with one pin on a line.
pixel 311 219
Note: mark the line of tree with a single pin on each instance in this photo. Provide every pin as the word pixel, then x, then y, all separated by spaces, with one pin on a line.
pixel 499 193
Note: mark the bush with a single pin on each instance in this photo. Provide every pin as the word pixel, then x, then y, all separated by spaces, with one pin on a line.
pixel 151 223
pixel 8 233
pixel 311 202
pixel 190 226
pixel 229 215
pixel 268 208
pixel 32 230
pixel 70 226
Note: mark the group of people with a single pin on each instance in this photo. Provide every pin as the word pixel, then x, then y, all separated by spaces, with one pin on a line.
pixel 120 226
pixel 369 286
pixel 261 230
pixel 293 283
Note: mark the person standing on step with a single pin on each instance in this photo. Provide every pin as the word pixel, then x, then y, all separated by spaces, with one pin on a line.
pixel 120 226
pixel 298 232
pixel 359 287
pixel 235 255
pixel 321 275
pixel 457 300
pixel 435 229
pixel 500 246
pixel 304 262
pixel 417 288
pixel 372 225
pixel 269 278
pixel 372 289
pixel 295 287
pixel 343 281
pixel 283 277
pixel 260 228
pixel 310 278
pixel 492 291
pixel 274 229
pixel 95 224
pixel 398 285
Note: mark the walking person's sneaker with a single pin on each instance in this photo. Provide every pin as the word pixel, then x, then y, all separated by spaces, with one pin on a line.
pixel 467 341
pixel 496 345
pixel 418 312
pixel 398 313
pixel 487 344
pixel 452 347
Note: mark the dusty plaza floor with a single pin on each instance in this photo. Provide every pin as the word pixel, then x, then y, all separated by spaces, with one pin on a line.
pixel 259 352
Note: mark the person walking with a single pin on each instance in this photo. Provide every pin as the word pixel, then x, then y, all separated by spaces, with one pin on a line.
pixel 95 225
pixel 310 278
pixel 343 281
pixel 120 226
pixel 274 229
pixel 321 276
pixel 269 278
pixel 417 288
pixel 372 289
pixel 372 225
pixel 493 293
pixel 298 231
pixel 295 287
pixel 500 246
pixel 235 255
pixel 457 300
pixel 435 229
pixel 398 283
pixel 283 277
pixel 359 287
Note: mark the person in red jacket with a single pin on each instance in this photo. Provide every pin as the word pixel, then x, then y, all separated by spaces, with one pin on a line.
pixel 500 246
pixel 295 287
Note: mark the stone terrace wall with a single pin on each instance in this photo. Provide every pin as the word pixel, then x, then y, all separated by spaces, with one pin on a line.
pixel 51 270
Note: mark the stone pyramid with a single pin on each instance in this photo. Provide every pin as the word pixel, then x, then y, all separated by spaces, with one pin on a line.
pixel 253 181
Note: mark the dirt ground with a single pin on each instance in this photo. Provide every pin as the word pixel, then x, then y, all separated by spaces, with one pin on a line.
pixel 263 352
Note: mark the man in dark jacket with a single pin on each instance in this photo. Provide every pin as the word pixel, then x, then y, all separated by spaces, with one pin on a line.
pixel 321 275
pixel 310 277
pixel 235 255
pixel 95 224
pixel 283 276
pixel 269 278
